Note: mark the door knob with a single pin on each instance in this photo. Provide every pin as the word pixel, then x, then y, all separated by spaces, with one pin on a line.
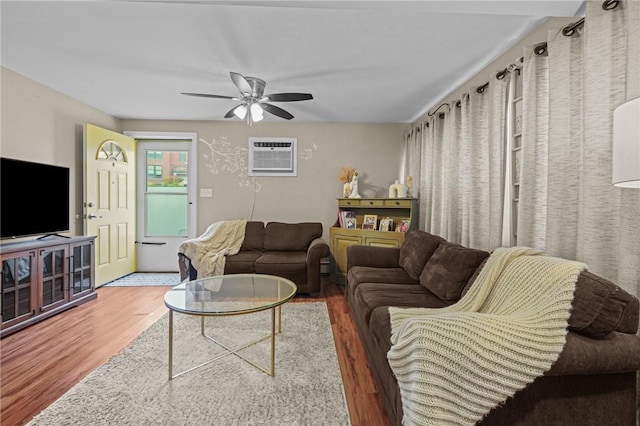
pixel 93 216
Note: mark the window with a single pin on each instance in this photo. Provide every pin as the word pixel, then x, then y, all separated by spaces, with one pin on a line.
pixel 154 171
pixel 154 155
pixel 111 150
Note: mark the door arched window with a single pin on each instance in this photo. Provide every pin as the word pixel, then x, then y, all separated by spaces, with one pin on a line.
pixel 111 150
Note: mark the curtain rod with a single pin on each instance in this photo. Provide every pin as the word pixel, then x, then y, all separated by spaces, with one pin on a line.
pixel 430 114
pixel 539 49
pixel 570 29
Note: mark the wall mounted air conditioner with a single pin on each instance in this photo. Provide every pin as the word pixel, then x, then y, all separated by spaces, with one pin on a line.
pixel 273 156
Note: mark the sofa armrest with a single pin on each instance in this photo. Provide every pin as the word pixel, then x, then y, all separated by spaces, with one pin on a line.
pixel 582 355
pixel 373 256
pixel 316 251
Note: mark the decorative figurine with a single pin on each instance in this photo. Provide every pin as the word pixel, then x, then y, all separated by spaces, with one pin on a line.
pixel 397 190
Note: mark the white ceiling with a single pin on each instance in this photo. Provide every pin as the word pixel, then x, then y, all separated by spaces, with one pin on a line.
pixel 363 61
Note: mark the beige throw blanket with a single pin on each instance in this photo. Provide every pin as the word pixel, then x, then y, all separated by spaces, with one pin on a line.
pixel 455 364
pixel 208 251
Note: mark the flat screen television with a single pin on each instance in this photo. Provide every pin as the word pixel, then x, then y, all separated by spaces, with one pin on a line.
pixel 34 198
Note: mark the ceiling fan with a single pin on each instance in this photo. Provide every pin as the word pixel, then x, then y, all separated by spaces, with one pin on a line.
pixel 254 101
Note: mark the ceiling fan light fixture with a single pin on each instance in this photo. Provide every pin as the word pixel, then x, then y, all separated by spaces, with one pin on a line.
pixel 240 112
pixel 256 112
pixel 256 109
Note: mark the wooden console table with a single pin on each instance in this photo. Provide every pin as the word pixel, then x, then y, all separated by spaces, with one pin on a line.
pixel 41 278
pixel 340 238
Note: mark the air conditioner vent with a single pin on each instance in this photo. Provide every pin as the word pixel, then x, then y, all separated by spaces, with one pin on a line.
pixel 272 156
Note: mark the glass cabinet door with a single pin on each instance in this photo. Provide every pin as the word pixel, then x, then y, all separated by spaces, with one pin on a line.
pixel 81 269
pixel 54 270
pixel 18 297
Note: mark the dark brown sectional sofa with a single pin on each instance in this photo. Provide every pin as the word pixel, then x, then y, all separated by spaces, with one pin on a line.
pixel 592 383
pixel 289 250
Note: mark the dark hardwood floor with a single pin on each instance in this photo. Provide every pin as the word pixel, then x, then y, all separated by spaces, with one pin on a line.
pixel 42 362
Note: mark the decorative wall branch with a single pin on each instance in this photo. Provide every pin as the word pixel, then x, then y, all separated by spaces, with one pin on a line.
pixel 307 153
pixel 225 157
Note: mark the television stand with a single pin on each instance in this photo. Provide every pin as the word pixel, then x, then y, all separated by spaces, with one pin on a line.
pixel 41 278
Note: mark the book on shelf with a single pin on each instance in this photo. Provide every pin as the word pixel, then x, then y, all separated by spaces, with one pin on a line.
pixel 343 215
pixel 403 225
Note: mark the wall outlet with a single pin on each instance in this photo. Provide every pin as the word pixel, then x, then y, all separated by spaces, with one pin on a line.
pixel 206 192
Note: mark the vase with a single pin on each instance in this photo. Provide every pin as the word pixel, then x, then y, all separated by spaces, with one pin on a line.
pixel 346 190
pixel 397 190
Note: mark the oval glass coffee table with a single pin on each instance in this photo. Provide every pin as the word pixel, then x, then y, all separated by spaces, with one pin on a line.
pixel 236 294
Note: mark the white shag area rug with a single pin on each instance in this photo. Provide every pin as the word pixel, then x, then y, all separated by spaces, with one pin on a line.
pixel 133 387
pixel 142 279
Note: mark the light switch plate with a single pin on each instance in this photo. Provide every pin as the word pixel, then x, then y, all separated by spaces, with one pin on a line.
pixel 206 192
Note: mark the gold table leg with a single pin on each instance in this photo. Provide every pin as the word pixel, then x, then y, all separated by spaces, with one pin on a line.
pixel 230 351
pixel 273 342
pixel 170 344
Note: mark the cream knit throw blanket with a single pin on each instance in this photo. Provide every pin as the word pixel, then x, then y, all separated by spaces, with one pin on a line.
pixel 455 364
pixel 208 251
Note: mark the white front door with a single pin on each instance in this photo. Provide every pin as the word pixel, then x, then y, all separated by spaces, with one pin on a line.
pixel 166 201
pixel 109 201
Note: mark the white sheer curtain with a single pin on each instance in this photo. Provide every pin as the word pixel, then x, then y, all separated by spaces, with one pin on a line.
pixel 483 164
pixel 568 205
pixel 462 187
pixel 413 155
pixel 431 186
pixel 532 207
pixel 510 179
pixel 453 174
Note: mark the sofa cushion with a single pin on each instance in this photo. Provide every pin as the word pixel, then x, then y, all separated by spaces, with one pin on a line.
pixel 291 265
pixel 253 236
pixel 368 296
pixel 241 263
pixel 600 307
pixel 449 269
pixel 281 263
pixel 417 248
pixel 368 274
pixel 291 236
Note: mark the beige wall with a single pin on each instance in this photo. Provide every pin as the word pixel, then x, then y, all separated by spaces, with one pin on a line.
pixel 375 150
pixel 42 125
pixel 39 124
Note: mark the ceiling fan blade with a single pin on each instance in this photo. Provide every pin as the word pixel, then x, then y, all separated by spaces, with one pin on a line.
pixel 289 97
pixel 239 111
pixel 276 111
pixel 205 95
pixel 241 83
pixel 231 114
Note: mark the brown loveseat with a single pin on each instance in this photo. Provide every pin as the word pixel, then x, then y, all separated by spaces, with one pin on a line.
pixel 289 250
pixel 592 383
